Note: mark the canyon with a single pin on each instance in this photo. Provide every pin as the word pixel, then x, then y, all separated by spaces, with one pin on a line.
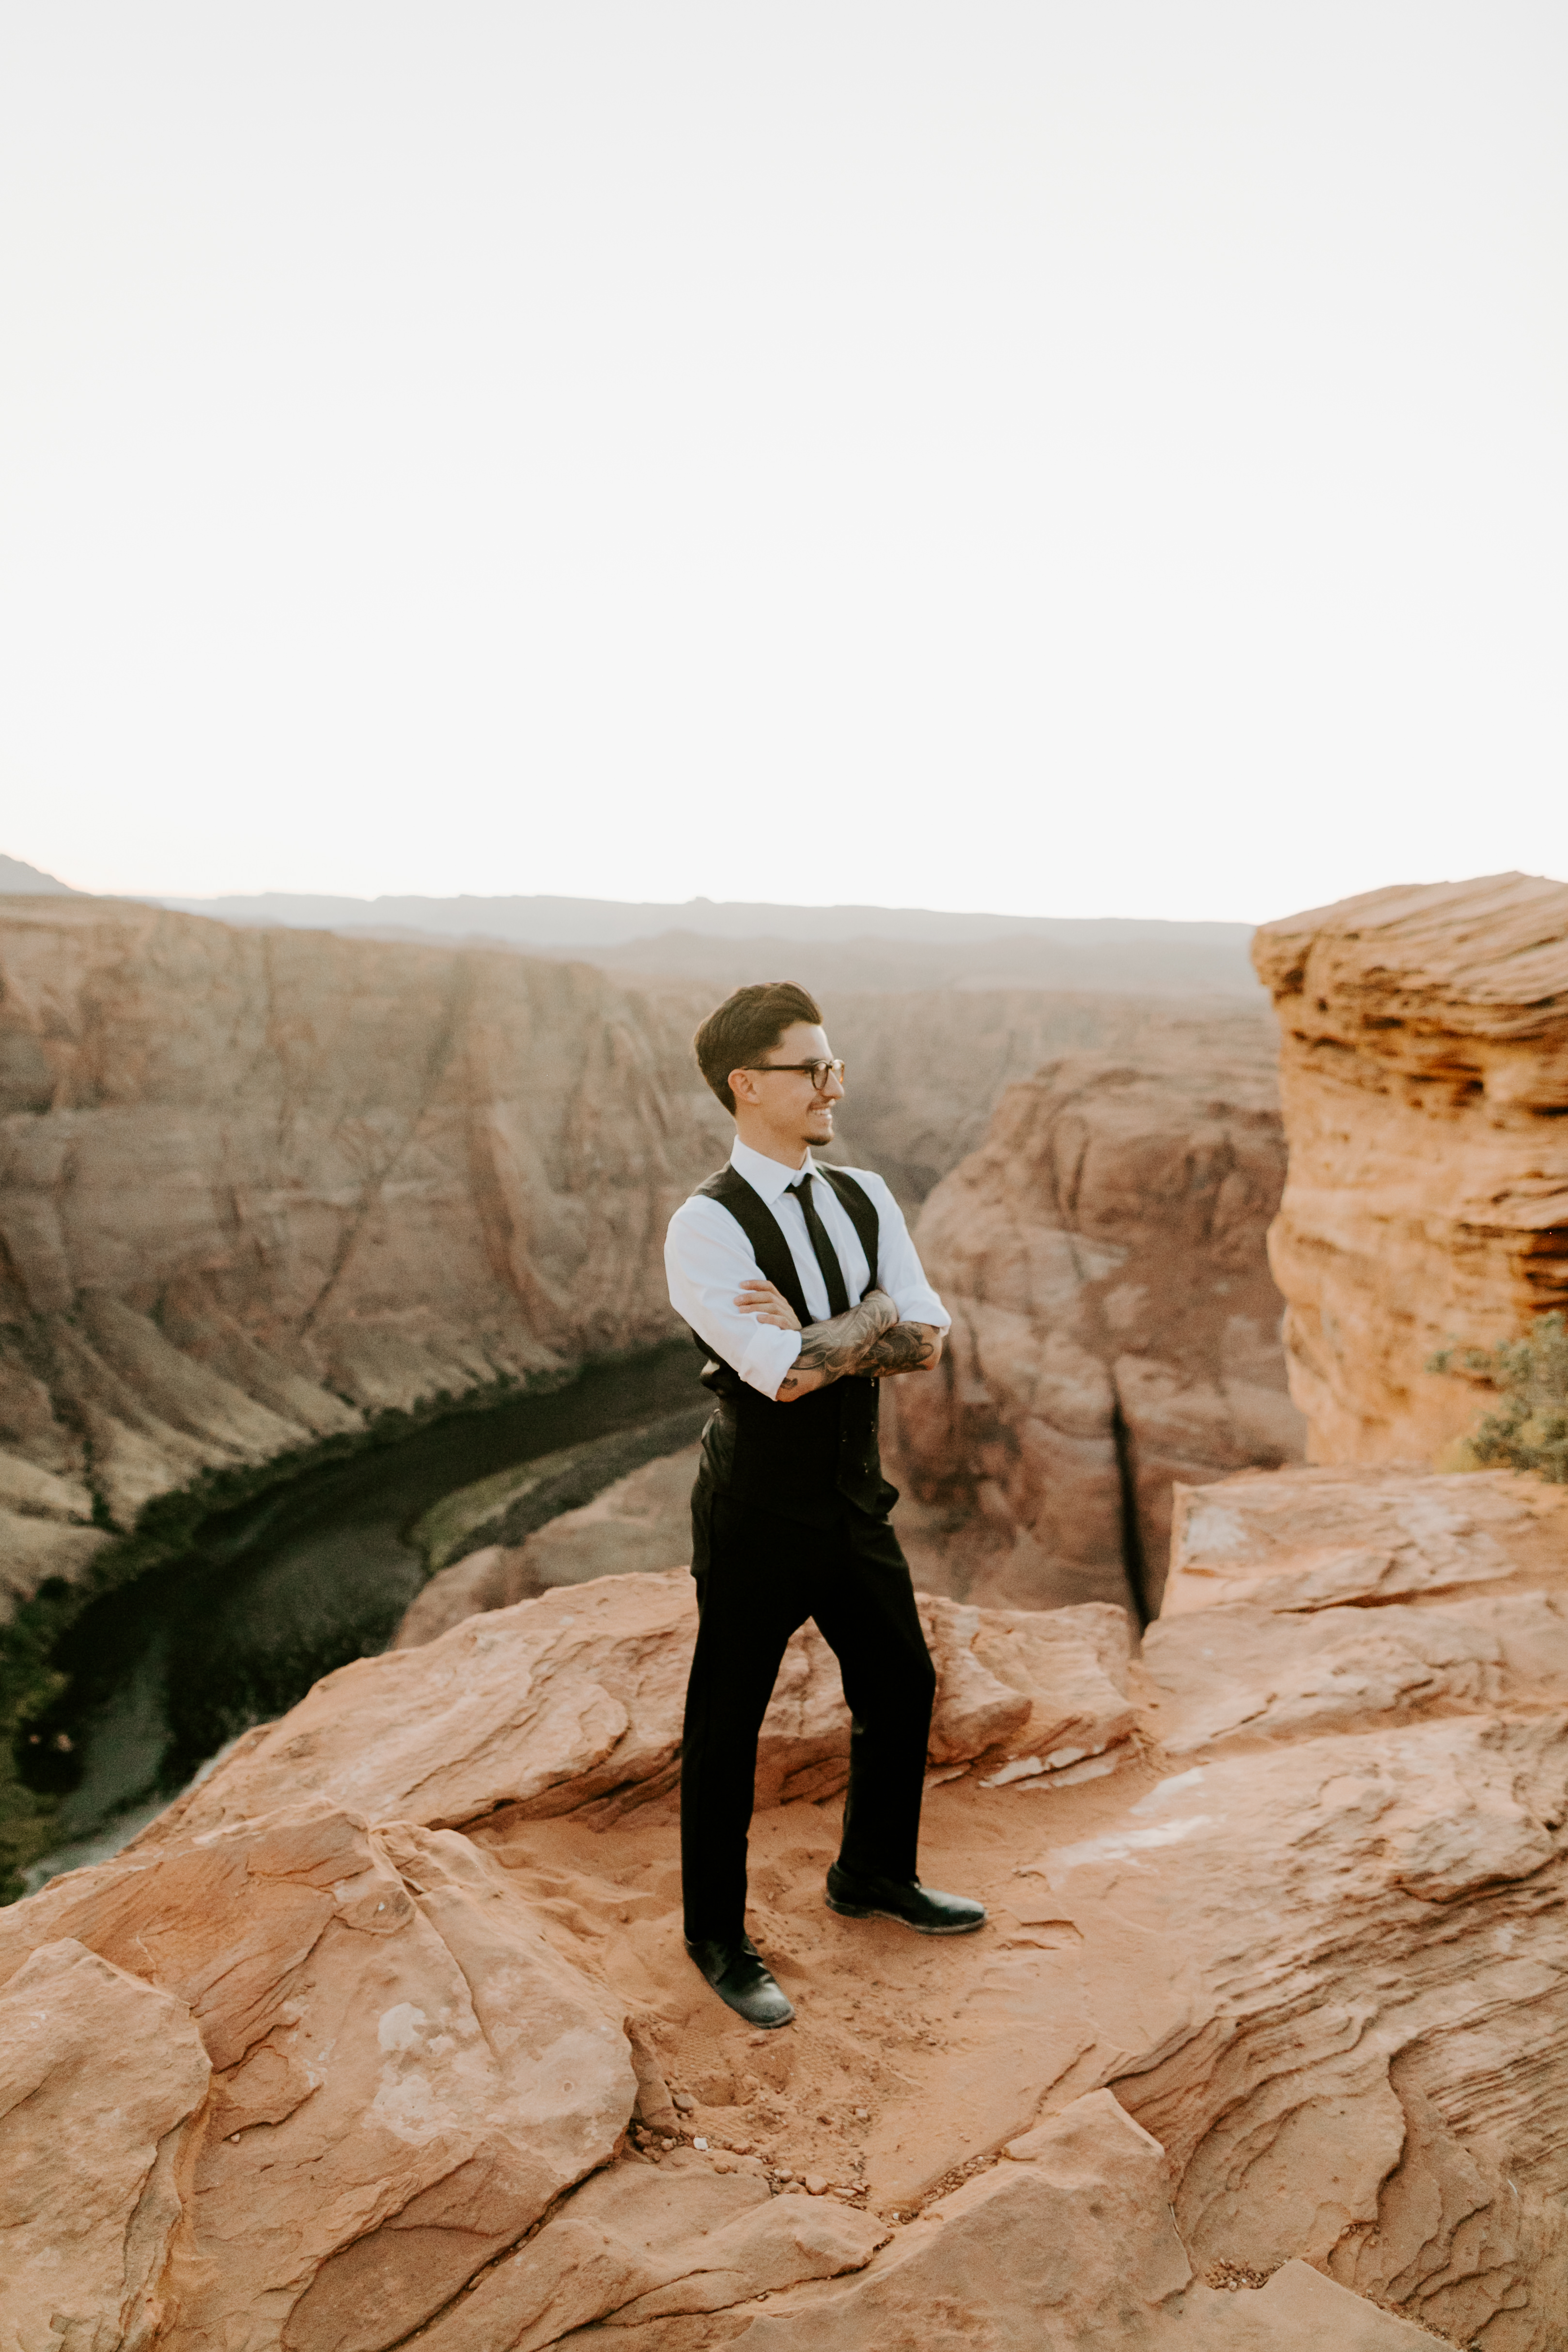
pixel 268 1196
pixel 258 1186
pixel 1103 1256
pixel 1261 2045
pixel 1103 1253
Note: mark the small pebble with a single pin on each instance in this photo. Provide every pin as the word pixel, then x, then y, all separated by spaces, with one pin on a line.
pixel 863 2115
pixel 699 2143
pixel 667 2144
pixel 723 2164
pixel 815 2184
pixel 784 2175
pixel 684 2101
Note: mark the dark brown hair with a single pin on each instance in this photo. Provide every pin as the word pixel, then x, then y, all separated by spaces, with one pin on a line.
pixel 746 1025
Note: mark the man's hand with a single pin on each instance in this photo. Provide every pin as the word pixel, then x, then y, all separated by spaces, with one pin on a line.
pixel 768 1305
pixel 870 1339
pixel 907 1347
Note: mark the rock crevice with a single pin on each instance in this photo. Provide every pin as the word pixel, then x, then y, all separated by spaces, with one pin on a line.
pixel 1102 1257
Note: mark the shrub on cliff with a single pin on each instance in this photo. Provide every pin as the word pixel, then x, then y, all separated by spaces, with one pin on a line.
pixel 1529 1429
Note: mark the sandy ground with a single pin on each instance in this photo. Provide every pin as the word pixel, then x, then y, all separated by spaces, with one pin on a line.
pixel 947 2046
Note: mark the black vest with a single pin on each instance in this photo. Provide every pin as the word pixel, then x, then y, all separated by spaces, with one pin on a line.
pixel 802 1461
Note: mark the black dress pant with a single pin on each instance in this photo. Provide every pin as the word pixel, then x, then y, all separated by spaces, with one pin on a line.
pixel 760 1577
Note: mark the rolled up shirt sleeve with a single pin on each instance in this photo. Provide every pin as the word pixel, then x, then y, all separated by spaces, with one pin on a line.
pixel 898 1267
pixel 707 1259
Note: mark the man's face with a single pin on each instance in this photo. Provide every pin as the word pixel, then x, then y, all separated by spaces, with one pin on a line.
pixel 795 1109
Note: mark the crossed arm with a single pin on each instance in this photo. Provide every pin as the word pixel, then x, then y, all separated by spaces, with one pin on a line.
pixel 868 1340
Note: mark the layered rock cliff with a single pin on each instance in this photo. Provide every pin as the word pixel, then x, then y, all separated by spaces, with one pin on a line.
pixel 926 1069
pixel 1114 1323
pixel 388 2027
pixel 259 1186
pixel 385 2031
pixel 1424 1072
pixel 263 1192
pixel 256 1186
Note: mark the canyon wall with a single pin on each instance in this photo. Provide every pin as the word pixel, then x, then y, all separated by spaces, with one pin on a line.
pixel 1114 1323
pixel 385 2031
pixel 926 1069
pixel 1424 1073
pixel 260 1189
pixel 258 1186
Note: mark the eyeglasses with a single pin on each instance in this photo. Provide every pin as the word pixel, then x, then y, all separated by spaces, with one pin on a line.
pixel 818 1071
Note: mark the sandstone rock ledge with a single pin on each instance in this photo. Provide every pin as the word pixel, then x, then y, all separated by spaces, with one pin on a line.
pixel 385 2034
pixel 1424 1071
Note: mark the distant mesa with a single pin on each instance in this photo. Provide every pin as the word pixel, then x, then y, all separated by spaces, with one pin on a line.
pixel 18 880
pixel 547 921
pixel 727 943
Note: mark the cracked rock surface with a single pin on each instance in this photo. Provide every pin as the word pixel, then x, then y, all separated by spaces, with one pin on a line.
pixel 386 2035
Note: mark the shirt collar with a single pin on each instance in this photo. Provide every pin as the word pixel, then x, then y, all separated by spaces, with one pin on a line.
pixel 769 1178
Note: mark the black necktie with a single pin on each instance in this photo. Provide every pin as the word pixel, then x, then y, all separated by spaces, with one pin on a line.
pixel 827 1256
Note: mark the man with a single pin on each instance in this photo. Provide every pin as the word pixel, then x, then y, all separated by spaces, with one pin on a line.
pixel 803 1286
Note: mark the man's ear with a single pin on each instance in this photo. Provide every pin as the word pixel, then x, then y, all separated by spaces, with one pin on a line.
pixel 743 1085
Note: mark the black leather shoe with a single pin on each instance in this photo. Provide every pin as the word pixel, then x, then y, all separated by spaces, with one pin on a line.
pixel 903 1899
pixel 737 1974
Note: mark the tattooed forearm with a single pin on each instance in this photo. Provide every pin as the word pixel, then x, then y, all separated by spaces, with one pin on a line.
pixel 906 1348
pixel 875 1347
pixel 828 1351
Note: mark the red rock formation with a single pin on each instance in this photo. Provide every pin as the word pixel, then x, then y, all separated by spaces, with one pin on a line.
pixel 256 1185
pixel 1264 2032
pixel 572 1703
pixel 1424 1071
pixel 1102 1255
pixel 928 1069
pixel 386 2028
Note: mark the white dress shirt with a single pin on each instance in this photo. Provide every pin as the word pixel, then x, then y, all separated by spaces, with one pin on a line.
pixel 708 1257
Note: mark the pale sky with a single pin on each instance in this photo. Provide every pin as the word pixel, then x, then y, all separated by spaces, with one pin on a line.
pixel 1076 459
